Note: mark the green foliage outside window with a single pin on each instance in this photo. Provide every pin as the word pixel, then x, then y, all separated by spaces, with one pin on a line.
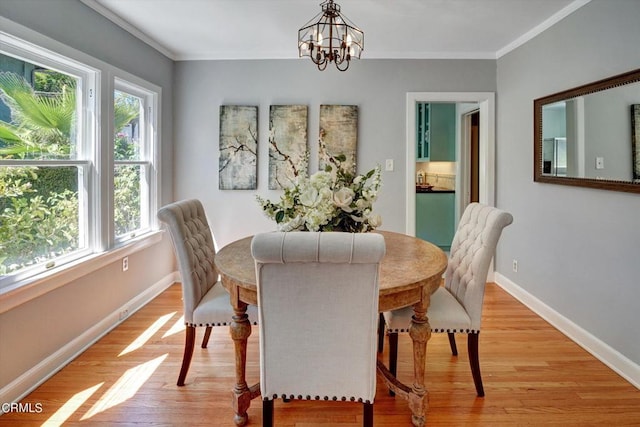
pixel 38 206
pixel 126 179
pixel 39 217
pixel 126 197
pixel 34 227
pixel 41 124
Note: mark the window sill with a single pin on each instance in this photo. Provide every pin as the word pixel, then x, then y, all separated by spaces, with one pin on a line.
pixel 22 292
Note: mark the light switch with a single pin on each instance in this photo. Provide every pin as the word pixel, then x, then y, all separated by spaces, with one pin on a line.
pixel 599 162
pixel 389 165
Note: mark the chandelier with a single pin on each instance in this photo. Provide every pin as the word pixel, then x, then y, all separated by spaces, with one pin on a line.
pixel 330 37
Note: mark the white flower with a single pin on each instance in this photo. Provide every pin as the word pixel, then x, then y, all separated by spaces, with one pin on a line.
pixel 343 198
pixel 321 179
pixel 370 195
pixel 326 193
pixel 315 219
pixel 374 220
pixel 362 204
pixel 310 197
pixel 287 202
pixel 294 224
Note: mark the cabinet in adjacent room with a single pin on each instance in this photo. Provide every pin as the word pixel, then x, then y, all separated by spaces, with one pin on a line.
pixel 435 132
pixel 435 213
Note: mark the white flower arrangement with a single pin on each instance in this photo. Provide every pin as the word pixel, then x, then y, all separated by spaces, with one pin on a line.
pixel 329 200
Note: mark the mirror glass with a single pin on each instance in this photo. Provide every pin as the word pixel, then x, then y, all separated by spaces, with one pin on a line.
pixel 590 135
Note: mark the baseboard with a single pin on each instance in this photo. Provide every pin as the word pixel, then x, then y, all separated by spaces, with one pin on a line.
pixel 30 380
pixel 615 360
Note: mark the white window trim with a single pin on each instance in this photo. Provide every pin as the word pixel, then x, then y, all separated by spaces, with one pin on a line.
pixel 150 156
pixel 105 252
pixel 87 101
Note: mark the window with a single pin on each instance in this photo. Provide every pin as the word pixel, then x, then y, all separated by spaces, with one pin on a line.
pixel 133 154
pixel 54 203
pixel 45 161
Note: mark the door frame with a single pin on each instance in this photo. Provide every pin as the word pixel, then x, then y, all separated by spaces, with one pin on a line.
pixel 464 113
pixel 486 104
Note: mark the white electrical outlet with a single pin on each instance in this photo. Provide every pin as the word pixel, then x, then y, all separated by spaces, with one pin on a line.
pixel 515 265
pixel 125 263
pixel 388 166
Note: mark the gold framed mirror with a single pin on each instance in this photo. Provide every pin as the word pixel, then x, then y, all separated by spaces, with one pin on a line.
pixel 589 136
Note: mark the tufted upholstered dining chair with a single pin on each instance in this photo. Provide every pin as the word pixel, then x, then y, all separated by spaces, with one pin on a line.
pixel 205 302
pixel 456 307
pixel 318 316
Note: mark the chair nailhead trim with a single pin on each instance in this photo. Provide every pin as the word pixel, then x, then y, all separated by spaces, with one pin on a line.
pixel 459 331
pixel 308 397
pixel 214 324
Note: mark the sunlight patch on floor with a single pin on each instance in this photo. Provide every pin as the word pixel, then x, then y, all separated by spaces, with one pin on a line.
pixel 146 335
pixel 70 407
pixel 126 387
pixel 176 328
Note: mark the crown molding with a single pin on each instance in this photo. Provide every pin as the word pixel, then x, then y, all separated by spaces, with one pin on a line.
pixel 538 29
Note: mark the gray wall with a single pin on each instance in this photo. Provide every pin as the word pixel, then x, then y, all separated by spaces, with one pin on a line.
pixel 577 249
pixel 378 87
pixel 36 330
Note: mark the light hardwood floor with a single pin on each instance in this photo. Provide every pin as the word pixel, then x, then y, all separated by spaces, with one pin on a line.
pixel 533 375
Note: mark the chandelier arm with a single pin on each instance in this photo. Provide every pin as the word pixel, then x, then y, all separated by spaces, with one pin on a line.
pixel 322 65
pixel 340 63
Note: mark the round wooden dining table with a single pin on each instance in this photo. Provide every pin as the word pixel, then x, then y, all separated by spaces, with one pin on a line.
pixel 410 272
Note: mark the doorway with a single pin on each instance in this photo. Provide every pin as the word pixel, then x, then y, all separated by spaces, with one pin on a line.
pixel 485 175
pixel 472 143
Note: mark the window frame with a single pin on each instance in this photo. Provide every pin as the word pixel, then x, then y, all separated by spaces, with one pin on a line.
pixel 148 158
pixel 86 138
pixel 94 155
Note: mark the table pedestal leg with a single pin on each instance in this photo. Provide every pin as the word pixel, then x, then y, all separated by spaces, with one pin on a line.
pixel 240 330
pixel 416 395
pixel 420 332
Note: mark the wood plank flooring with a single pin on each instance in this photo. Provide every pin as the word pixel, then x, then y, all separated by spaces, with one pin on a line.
pixel 533 375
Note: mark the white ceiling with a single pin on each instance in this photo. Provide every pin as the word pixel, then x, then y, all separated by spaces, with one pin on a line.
pixel 267 29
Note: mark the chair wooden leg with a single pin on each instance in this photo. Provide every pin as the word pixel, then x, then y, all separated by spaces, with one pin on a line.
pixel 393 352
pixel 472 344
pixel 267 413
pixel 452 343
pixel 205 339
pixel 367 415
pixel 393 356
pixel 189 342
pixel 381 331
